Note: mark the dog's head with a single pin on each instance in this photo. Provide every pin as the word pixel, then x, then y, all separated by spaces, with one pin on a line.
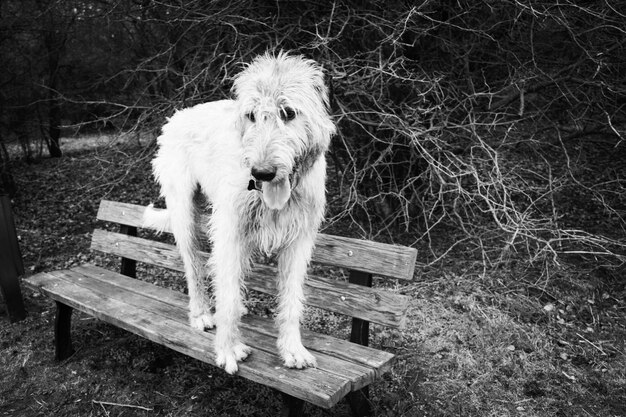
pixel 284 121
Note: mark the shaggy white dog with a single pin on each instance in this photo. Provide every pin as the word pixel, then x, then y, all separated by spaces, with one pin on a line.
pixel 260 161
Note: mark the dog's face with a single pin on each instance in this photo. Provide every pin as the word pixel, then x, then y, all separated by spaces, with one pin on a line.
pixel 284 121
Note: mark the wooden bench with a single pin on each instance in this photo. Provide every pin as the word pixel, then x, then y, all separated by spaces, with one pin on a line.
pixel 345 368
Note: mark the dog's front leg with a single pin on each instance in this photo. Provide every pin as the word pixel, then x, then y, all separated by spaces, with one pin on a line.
pixel 292 266
pixel 228 264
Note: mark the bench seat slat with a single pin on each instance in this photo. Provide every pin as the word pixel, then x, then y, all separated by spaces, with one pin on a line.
pixel 258 332
pixel 127 310
pixel 361 255
pixel 379 361
pixel 375 305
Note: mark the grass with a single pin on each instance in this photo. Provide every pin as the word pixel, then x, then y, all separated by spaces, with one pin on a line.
pixel 507 342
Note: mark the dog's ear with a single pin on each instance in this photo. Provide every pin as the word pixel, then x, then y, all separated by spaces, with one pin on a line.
pixel 322 125
pixel 324 88
pixel 306 161
pixel 332 103
pixel 320 80
pixel 240 121
pixel 321 129
pixel 236 92
pixel 242 116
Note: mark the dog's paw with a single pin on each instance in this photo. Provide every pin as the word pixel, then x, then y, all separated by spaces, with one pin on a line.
pixel 297 356
pixel 228 358
pixel 202 321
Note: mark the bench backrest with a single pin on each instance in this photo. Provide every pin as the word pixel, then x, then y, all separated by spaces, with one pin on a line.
pixel 358 301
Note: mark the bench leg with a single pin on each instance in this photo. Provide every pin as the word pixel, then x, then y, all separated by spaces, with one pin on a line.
pixel 360 402
pixel 129 266
pixel 62 330
pixel 292 406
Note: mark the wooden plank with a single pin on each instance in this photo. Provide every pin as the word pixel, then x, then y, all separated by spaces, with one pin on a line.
pixel 311 384
pixel 362 255
pixel 171 305
pixel 143 250
pixel 366 256
pixel 369 357
pixel 122 213
pixel 378 361
pixel 371 304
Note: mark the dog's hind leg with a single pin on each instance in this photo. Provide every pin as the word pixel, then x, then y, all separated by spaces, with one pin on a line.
pixel 292 266
pixel 182 218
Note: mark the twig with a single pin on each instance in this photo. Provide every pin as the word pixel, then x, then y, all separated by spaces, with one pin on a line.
pixel 592 344
pixel 103 403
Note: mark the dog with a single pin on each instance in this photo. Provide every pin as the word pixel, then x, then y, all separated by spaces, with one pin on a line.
pixel 259 159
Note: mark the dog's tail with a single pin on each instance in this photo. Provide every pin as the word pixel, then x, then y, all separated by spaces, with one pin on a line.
pixel 157 219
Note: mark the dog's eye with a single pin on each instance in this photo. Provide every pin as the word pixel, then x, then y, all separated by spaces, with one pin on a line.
pixel 250 117
pixel 287 114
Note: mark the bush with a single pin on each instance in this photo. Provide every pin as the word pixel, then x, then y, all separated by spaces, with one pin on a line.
pixel 472 126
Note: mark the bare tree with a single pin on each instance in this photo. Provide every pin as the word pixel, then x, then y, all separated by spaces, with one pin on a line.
pixel 470 127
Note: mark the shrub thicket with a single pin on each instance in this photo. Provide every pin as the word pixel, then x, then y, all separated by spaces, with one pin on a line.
pixel 487 127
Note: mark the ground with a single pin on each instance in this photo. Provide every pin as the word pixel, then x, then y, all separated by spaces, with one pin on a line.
pixel 506 342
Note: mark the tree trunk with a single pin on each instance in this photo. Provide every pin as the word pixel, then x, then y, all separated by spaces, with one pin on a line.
pixel 7 183
pixel 55 41
pixel 54 145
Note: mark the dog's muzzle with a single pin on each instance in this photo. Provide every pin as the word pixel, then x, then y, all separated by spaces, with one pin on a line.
pixel 259 176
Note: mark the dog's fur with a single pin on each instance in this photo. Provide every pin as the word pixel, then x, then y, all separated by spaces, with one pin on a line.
pixel 278 125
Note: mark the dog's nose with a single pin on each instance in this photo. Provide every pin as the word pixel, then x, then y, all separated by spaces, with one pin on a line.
pixel 263 175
